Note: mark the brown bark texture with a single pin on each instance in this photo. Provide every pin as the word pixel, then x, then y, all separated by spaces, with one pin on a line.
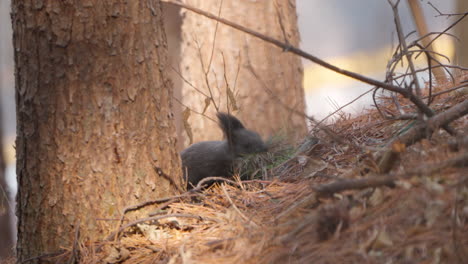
pixel 243 75
pixel 462 34
pixel 95 128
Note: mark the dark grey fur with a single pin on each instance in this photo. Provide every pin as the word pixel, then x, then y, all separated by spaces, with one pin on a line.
pixel 215 158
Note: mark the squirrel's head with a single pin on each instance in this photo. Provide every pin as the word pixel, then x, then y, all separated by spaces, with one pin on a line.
pixel 241 140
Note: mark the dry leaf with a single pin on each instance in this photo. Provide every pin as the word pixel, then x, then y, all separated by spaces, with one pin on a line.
pixel 117 255
pixel 382 241
pixel 311 166
pixel 232 99
pixel 376 198
pixel 207 104
pixel 187 127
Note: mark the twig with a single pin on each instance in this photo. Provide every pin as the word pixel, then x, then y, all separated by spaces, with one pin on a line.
pixel 161 173
pixel 388 179
pixel 429 35
pixel 403 45
pixel 187 81
pixel 449 90
pixel 161 207
pixel 74 258
pixel 405 117
pixel 429 66
pixel 424 129
pixel 151 202
pixel 207 81
pixel 230 98
pixel 443 67
pixel 443 14
pixel 237 72
pixel 448 28
pixel 214 38
pixel 434 66
pixel 161 200
pixel 194 111
pixel 436 33
pixel 196 89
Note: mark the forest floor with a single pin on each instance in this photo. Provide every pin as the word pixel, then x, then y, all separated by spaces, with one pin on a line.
pixel 332 199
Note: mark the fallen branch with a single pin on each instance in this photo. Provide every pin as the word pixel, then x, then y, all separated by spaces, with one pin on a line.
pixel 389 179
pixel 156 201
pixel 151 202
pixel 420 131
pixel 449 90
pixel 425 129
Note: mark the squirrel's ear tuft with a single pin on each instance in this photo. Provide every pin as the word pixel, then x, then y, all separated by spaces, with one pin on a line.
pixel 229 123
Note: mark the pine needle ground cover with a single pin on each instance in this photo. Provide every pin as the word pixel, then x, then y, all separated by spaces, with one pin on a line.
pixel 322 201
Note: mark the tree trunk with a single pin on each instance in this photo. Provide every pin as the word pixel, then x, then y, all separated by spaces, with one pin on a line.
pixel 243 75
pixel 172 25
pixel 462 34
pixel 95 128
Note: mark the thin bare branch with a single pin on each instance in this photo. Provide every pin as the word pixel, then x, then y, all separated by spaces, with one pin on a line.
pixel 443 14
pixel 345 105
pixel 449 90
pixel 404 47
pixel 194 111
pixel 207 81
pixel 448 28
pixel 188 82
pixel 214 38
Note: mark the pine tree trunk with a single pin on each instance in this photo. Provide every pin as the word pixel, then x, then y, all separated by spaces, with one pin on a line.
pixel 256 73
pixel 172 25
pixel 95 128
pixel 462 34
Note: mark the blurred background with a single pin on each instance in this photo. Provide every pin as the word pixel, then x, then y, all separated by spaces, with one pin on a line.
pixel 355 35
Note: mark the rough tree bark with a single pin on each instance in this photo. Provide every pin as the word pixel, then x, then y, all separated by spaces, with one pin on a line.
pixel 227 61
pixel 95 128
pixel 462 34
